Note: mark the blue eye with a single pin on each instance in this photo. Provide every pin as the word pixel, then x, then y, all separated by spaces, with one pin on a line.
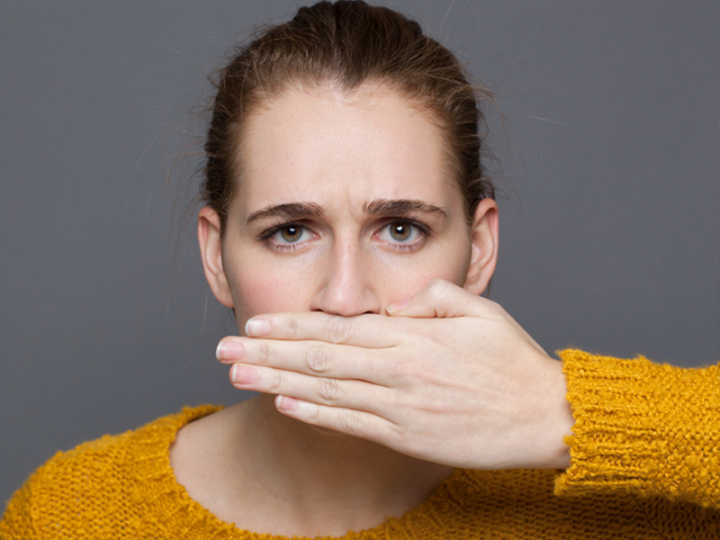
pixel 402 226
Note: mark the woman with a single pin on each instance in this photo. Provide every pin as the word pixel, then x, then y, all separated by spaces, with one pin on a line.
pixel 343 176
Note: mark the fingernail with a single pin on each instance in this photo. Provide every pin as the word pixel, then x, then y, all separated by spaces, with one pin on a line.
pixel 242 374
pixel 229 350
pixel 257 327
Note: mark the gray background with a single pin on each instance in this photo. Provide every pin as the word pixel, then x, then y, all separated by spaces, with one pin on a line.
pixel 606 133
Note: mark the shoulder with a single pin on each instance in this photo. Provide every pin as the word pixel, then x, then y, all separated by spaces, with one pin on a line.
pixel 102 459
pixel 97 478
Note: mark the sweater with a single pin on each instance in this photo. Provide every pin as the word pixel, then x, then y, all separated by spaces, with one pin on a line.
pixel 644 463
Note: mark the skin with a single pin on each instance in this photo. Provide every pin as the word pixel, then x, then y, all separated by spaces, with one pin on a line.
pixel 316 144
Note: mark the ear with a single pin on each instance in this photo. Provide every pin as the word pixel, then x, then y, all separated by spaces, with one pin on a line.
pixel 484 239
pixel 211 255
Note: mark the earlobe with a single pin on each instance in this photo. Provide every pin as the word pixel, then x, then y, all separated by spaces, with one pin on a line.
pixel 211 255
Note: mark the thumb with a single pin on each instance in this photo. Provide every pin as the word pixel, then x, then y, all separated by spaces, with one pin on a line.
pixel 441 298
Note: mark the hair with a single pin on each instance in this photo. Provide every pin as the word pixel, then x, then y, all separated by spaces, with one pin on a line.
pixel 345 43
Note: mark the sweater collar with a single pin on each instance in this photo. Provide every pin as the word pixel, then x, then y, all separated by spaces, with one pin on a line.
pixel 164 500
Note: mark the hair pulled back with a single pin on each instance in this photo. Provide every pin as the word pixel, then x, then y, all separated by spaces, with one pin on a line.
pixel 345 43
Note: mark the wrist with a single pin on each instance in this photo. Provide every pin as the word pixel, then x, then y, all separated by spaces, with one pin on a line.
pixel 561 420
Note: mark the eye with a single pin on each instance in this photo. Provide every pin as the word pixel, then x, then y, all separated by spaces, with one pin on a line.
pixel 401 230
pixel 287 235
pixel 294 231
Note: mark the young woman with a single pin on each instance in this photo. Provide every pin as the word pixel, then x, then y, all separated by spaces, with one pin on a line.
pixel 344 176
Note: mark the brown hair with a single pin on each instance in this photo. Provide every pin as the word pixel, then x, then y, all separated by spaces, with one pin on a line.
pixel 346 43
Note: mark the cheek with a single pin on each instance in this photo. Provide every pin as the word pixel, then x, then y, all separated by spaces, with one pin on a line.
pixel 411 285
pixel 267 292
pixel 450 264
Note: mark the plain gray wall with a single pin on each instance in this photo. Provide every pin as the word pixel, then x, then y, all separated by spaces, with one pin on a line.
pixel 606 130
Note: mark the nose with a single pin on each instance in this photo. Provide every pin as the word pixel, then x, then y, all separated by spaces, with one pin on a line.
pixel 345 285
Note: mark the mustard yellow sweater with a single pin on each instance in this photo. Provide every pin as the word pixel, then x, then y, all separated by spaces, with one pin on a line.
pixel 645 463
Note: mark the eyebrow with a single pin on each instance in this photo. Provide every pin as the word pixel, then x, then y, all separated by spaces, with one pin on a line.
pixel 377 207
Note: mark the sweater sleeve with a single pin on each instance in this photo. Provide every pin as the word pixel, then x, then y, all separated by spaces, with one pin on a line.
pixel 16 521
pixel 643 428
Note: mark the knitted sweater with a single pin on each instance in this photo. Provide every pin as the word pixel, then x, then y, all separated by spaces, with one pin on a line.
pixel 644 463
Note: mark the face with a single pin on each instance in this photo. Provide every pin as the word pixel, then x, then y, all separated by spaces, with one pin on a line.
pixel 344 247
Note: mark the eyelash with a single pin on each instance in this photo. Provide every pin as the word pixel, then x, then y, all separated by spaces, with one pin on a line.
pixel 267 234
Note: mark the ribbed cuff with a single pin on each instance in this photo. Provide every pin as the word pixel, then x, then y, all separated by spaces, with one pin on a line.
pixel 642 427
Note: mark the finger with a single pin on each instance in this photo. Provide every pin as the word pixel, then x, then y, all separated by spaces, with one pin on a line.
pixel 352 422
pixel 441 298
pixel 367 330
pixel 316 358
pixel 349 394
pixel 445 299
pixel 522 331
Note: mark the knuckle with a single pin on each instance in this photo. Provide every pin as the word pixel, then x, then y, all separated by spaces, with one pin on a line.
pixel 317 359
pixel 276 382
pixel 399 435
pixel 314 415
pixel 338 329
pixel 438 288
pixel 263 353
pixel 496 307
pixel 437 284
pixel 292 327
pixel 350 423
pixel 329 390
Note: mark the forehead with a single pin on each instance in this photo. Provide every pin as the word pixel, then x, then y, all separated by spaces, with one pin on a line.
pixel 318 143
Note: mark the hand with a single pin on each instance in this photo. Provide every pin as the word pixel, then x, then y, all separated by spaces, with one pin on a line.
pixel 451 378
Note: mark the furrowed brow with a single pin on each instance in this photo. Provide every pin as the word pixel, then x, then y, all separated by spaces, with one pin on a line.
pixel 394 207
pixel 288 211
pixel 378 207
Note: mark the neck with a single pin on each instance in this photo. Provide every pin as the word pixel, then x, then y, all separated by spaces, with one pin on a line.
pixel 319 469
